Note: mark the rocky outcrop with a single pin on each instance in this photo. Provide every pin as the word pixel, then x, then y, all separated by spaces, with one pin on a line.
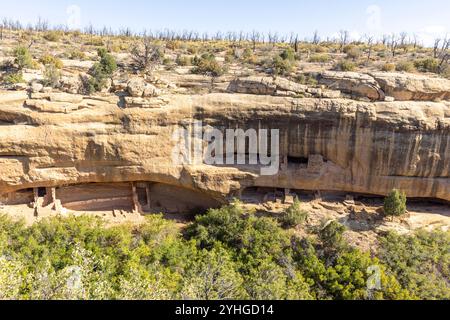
pixel 138 88
pixel 278 87
pixel 36 87
pixel 71 84
pixel 357 84
pixel 134 102
pixel 405 86
pixel 254 85
pixel 64 97
pixel 326 144
pixel 380 86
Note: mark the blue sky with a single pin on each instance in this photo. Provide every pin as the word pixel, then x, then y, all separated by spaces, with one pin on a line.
pixel 429 18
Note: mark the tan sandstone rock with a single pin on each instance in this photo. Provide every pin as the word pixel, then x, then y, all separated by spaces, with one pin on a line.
pixel 266 86
pixel 350 146
pixel 406 86
pixel 136 87
pixel 36 87
pixel 64 97
pixel 51 107
pixel 358 84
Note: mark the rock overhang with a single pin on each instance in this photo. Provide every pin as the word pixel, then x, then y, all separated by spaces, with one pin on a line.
pixel 369 147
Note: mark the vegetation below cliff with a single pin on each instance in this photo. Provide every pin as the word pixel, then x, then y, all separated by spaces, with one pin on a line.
pixel 228 253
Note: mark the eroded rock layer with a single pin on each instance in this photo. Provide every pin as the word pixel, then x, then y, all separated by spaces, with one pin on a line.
pixel 326 144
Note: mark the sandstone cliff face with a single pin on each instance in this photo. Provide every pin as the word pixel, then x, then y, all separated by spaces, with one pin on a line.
pixel 326 144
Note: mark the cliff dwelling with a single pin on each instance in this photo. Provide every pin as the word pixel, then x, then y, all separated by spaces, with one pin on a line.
pixel 354 133
pixel 136 197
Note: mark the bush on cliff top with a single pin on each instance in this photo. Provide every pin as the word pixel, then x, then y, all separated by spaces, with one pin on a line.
pixel 23 57
pixel 101 71
pixel 207 65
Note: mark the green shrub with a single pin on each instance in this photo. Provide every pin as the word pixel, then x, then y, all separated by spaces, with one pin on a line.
pixel 167 61
pixel 247 54
pixel 233 54
pixel 349 48
pixel 406 66
pixel 388 67
pixel 445 72
pixel 192 49
pixel 331 234
pixel 281 66
pixel 48 59
pixel 345 65
pixel 320 49
pixel 53 36
pixel 319 58
pixel 395 203
pixel 77 55
pixel 212 275
pixel 52 76
pixel 107 62
pixel 427 65
pixel 173 45
pixel 183 61
pixel 354 54
pixel 420 261
pixel 95 41
pixel 13 78
pixel 249 57
pixel 207 65
pixel 23 57
pixel 254 238
pixel 307 79
pixel 101 71
pixel 98 79
pixel 288 54
pixel 293 216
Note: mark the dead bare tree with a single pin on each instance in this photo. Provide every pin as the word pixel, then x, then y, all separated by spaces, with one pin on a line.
pixel 41 25
pixel 89 29
pixel 443 54
pixel 393 45
pixel 316 38
pixel 436 47
pixel 415 41
pixel 146 55
pixel 296 43
pixel 241 36
pixel 402 38
pixel 403 43
pixel 273 38
pixel 385 39
pixel 370 43
pixel 218 36
pixel 343 39
pixel 255 38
